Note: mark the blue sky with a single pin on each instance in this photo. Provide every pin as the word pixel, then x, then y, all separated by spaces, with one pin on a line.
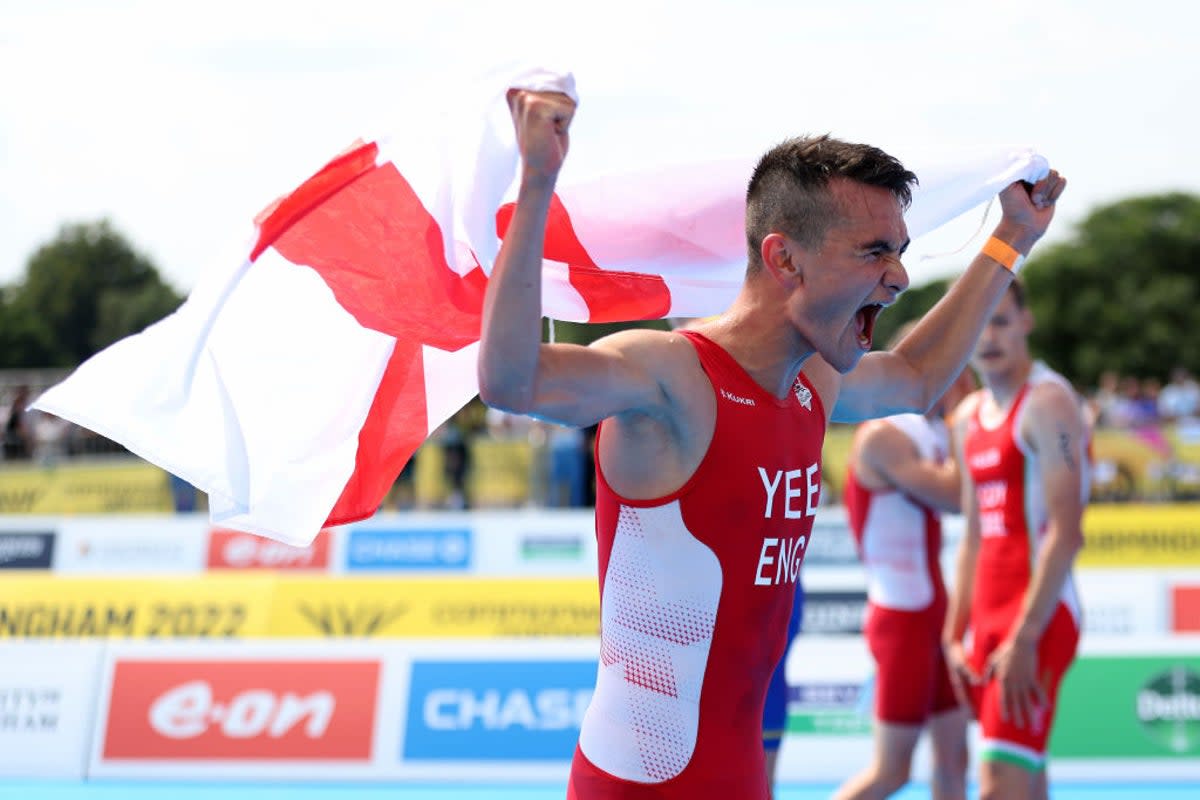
pixel 179 121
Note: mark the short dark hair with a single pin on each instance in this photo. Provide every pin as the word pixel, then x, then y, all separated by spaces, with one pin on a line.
pixel 789 190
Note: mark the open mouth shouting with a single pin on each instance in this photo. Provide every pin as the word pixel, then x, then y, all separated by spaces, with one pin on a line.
pixel 864 320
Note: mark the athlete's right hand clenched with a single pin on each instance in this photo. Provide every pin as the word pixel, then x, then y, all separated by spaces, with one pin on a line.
pixel 542 120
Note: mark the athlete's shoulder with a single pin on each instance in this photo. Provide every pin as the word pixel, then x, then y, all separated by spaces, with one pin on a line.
pixel 1053 400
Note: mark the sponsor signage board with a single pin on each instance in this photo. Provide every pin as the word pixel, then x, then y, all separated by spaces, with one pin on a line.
pixel 1185 608
pixel 480 710
pixel 1122 602
pixel 233 605
pixel 1132 535
pixel 1130 707
pixel 383 549
pixel 130 545
pixel 229 549
pixel 74 488
pixel 47 706
pixel 434 607
pixel 831 543
pixel 210 606
pixel 240 709
pixel 834 612
pixel 26 549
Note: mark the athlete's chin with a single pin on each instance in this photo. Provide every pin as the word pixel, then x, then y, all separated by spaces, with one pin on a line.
pixel 844 360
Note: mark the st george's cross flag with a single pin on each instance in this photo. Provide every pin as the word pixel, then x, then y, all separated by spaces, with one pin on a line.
pixel 298 379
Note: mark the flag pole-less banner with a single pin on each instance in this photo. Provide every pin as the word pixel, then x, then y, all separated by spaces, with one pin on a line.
pixel 299 377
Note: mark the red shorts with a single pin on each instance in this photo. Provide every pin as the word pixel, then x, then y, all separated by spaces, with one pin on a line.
pixel 911 679
pixel 1004 741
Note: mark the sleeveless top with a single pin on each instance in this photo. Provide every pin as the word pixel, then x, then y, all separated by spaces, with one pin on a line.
pixel 695 590
pixel 899 539
pixel 1012 510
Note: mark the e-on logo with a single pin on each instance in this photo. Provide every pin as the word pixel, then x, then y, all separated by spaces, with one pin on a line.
pixel 1168 706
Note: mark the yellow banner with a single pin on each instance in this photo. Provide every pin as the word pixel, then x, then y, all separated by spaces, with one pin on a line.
pixel 168 608
pixel 251 606
pixel 132 486
pixel 435 607
pixel 1141 536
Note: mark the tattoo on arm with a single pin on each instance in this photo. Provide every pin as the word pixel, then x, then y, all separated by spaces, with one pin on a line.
pixel 1064 444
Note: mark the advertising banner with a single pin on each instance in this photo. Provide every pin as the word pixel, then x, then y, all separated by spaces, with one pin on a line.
pixel 430 710
pixel 71 488
pixel 231 605
pixel 32 549
pixel 131 545
pixel 834 612
pixel 499 543
pixel 549 542
pixel 204 710
pixel 1185 608
pixel 47 707
pixel 1130 707
pixel 244 551
pixel 1123 602
pixel 201 606
pixel 435 549
pixel 1141 536
pixel 511 710
pixel 434 607
pixel 260 709
pixel 831 543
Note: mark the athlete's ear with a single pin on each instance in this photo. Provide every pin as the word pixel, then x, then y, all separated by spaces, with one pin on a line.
pixel 783 258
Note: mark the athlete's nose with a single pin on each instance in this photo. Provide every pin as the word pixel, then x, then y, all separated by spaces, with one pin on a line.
pixel 895 277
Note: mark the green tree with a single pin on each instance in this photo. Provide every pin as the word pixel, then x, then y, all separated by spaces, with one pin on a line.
pixel 81 292
pixel 1124 293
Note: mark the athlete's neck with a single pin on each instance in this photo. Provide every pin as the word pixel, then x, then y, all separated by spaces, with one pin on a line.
pixel 772 355
pixel 1004 386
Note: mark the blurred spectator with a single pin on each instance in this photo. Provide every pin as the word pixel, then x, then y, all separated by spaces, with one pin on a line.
pixel 505 427
pixel 1128 410
pixel 456 461
pixel 1179 399
pixel 1105 400
pixel 18 430
pixel 403 494
pixel 1147 401
pixel 565 479
pixel 50 437
pixel 183 494
pixel 589 465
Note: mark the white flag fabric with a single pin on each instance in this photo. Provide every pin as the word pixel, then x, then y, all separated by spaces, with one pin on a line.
pixel 298 378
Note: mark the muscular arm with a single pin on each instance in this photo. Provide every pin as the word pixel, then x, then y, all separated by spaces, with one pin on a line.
pixel 887 459
pixel 517 372
pixel 913 375
pixel 1053 428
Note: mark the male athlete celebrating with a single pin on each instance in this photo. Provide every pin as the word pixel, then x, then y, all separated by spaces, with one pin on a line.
pixel 1023 454
pixel 708 454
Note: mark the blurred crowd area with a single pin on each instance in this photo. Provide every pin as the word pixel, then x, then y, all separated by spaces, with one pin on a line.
pixel 1147 447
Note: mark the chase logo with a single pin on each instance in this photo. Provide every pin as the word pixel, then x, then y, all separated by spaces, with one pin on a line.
pixel 496 710
pixel 409 548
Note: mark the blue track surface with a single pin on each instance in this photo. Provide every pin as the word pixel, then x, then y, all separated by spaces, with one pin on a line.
pixel 126 790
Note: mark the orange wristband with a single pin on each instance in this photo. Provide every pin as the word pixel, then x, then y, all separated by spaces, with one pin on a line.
pixel 1004 253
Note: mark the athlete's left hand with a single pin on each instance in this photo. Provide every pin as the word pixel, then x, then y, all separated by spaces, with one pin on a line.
pixel 1014 665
